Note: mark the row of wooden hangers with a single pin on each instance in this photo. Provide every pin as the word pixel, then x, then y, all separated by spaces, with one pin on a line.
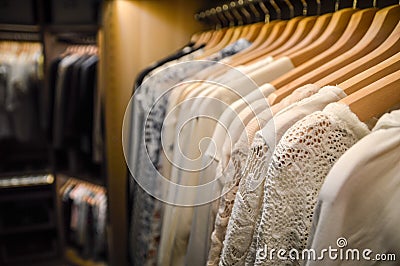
pixel 81 49
pixel 357 50
pixel 18 47
pixel 75 182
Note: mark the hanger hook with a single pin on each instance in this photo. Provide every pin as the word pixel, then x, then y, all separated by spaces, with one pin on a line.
pixel 208 15
pixel 220 14
pixel 220 22
pixel 228 14
pixel 305 7
pixel 203 17
pixel 244 11
pixel 337 2
pixel 235 13
pixel 254 10
pixel 318 7
pixel 267 15
pixel 277 9
pixel 354 4
pixel 291 8
pixel 374 3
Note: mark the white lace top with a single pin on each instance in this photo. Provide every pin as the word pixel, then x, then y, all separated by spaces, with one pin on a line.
pixel 299 165
pixel 359 199
pixel 248 200
pixel 236 163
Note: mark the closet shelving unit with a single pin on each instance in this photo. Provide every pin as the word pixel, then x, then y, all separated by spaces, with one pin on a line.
pixel 28 199
pixel 28 231
pixel 59 36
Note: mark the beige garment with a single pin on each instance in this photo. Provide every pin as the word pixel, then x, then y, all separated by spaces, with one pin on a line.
pixel 238 126
pixel 180 224
pixel 177 220
pixel 184 102
pixel 176 97
pixel 179 105
pixel 299 165
pixel 221 132
pixel 239 155
pixel 201 228
pixel 271 71
pixel 359 198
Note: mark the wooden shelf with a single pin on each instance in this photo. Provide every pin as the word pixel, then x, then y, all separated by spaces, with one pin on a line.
pixel 84 28
pixel 28 196
pixel 20 28
pixel 18 181
pixel 73 257
pixel 31 228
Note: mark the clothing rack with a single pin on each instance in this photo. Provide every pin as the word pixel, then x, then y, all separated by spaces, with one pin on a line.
pixel 16 32
pixel 243 12
pixel 77 38
pixel 73 180
pixel 26 180
pixel 20 36
pixel 75 34
pixel 81 232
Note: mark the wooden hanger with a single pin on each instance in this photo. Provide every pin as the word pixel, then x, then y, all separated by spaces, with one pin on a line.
pixel 283 38
pixel 272 33
pixel 203 38
pixel 318 29
pixel 231 35
pixel 196 36
pixel 388 48
pixel 382 25
pixel 319 25
pixel 267 27
pixel 225 39
pixel 264 33
pixel 218 33
pixel 334 41
pixel 245 20
pixel 272 37
pixel 335 29
pixel 375 99
pixel 303 29
pixel 253 31
pixel 255 28
pixel 215 38
pixel 371 75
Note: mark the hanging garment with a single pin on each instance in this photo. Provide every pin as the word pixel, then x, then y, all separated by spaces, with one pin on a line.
pixel 63 84
pixel 262 179
pixel 271 71
pixel 184 52
pixel 20 76
pixel 144 234
pixel 301 161
pixel 271 134
pixel 358 200
pixel 204 216
pixel 84 208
